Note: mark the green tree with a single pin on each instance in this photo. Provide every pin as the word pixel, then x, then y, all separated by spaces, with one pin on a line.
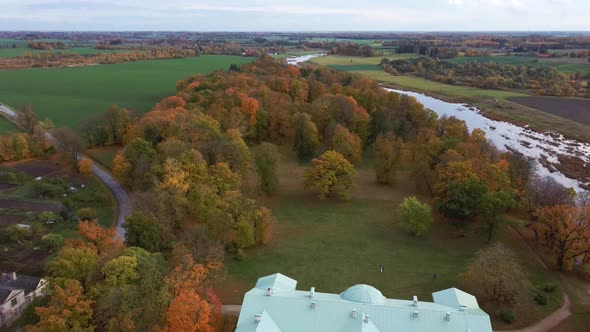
pixel 266 159
pixel 306 139
pixel 330 173
pixel 120 271
pixel 415 216
pixel 463 198
pixel 493 207
pixel 74 263
pixel 142 230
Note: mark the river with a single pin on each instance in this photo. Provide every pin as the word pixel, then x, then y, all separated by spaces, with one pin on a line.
pixel 504 135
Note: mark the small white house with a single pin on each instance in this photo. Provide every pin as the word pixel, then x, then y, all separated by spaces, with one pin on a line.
pixel 16 292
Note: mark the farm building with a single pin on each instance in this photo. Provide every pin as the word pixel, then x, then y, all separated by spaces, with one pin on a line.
pixel 275 305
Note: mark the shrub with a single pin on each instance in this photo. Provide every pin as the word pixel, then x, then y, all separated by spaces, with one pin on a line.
pixel 540 298
pixel 549 288
pixel 507 316
pixel 86 214
pixel 52 241
pixel 85 167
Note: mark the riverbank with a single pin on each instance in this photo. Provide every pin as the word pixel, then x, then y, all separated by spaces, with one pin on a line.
pixel 496 104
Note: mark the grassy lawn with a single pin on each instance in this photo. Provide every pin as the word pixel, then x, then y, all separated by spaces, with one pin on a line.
pixel 332 245
pixel 344 60
pixel 7 126
pixel 66 96
pixel 104 156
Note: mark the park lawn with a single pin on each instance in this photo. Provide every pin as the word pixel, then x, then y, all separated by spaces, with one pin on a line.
pixel 332 245
pixel 104 156
pixel 66 96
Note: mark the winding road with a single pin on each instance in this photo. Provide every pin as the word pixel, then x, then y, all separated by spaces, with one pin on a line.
pixel 121 196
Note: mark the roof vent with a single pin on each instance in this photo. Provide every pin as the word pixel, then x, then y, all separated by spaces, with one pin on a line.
pixel 312 292
pixel 269 292
pixel 462 308
pixel 313 305
pixel 366 318
pixel 257 318
pixel 415 314
pixel 448 316
pixel 415 304
pixel 353 313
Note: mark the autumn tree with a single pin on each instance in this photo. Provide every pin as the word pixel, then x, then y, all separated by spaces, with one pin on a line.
pixel 67 310
pixel 521 170
pixel 266 160
pixel 85 166
pixel 74 263
pixel 193 305
pixel 103 239
pixel 566 229
pixel 388 155
pixel 346 143
pixel 415 216
pixel 306 139
pixel 496 276
pixel 118 120
pixel 330 173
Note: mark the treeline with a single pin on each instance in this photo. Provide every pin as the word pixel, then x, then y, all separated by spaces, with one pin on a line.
pixel 353 50
pixel 490 75
pixel 47 45
pixel 65 59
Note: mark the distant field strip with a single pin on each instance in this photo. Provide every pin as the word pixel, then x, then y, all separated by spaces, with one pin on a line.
pixel 575 109
pixel 66 96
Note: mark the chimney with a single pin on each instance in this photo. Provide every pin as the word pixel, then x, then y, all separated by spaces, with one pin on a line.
pixel 13 275
pixel 366 318
pixel 448 316
pixel 353 313
pixel 415 314
pixel 312 292
pixel 313 304
pixel 462 308
pixel 415 304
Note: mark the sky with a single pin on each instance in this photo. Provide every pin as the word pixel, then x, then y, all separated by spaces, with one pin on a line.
pixel 295 15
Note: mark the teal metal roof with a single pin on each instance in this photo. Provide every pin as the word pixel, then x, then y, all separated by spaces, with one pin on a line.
pixel 363 294
pixel 277 282
pixel 455 298
pixel 264 324
pixel 293 311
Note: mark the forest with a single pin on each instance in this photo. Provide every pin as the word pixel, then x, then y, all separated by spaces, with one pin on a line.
pixel 201 164
pixel 490 75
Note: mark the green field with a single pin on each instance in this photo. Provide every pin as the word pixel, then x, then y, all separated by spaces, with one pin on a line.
pixel 16 52
pixel 565 65
pixel 68 95
pixel 333 245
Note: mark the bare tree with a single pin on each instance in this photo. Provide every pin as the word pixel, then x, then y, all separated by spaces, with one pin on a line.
pixel 69 143
pixel 27 120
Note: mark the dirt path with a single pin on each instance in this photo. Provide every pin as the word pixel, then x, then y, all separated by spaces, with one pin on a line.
pixel 550 321
pixel 231 309
pixel 120 194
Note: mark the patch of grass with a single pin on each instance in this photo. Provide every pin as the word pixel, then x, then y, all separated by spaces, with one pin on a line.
pixel 343 60
pixel 68 95
pixel 421 84
pixel 104 156
pixel 333 245
pixel 7 127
